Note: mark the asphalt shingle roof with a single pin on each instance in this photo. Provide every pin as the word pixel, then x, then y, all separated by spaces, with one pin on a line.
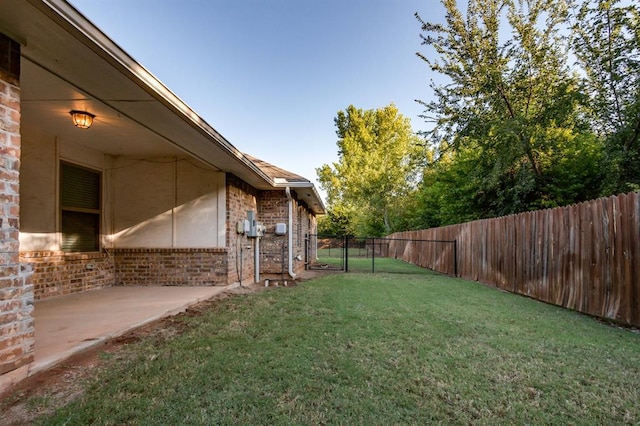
pixel 275 172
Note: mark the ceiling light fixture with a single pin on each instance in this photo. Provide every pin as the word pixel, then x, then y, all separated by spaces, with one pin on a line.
pixel 82 119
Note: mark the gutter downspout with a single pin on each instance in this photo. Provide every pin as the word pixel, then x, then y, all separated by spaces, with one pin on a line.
pixel 287 190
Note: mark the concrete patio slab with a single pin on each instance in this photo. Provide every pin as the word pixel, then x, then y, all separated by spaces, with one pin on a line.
pixel 70 324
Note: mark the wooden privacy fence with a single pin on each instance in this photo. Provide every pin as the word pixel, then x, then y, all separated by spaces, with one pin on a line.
pixel 584 257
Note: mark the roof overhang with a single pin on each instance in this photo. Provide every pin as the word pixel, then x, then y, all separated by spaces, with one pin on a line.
pixel 306 191
pixel 69 64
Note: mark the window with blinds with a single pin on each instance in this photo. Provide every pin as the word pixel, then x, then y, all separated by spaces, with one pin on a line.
pixel 79 208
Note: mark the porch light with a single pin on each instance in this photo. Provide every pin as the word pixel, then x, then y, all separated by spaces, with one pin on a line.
pixel 82 119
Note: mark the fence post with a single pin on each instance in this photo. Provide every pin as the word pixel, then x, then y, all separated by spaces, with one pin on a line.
pixel 345 244
pixel 455 258
pixel 306 251
pixel 373 255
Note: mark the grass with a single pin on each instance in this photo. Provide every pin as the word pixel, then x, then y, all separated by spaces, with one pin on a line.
pixel 372 350
pixel 362 261
pixel 383 264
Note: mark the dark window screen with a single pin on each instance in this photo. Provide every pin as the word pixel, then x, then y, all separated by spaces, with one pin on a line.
pixel 80 208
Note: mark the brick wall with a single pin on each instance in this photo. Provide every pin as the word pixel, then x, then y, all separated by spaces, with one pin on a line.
pixel 273 208
pixel 240 198
pixel 16 290
pixel 170 266
pixel 56 273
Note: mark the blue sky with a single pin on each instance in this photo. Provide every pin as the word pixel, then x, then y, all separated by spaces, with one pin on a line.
pixel 271 75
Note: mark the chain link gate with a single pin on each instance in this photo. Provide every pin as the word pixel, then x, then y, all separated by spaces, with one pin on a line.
pixel 378 254
pixel 326 252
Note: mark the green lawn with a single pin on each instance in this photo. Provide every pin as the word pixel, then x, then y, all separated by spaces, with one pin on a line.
pixel 373 349
pixel 361 260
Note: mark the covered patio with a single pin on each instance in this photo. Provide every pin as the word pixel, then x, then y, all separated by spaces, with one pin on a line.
pixel 67 325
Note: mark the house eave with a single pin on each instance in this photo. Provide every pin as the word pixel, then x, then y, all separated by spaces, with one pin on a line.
pixel 306 191
pixel 141 117
pixel 210 146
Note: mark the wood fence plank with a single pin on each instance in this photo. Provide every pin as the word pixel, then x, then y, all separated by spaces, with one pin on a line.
pixel 574 237
pixel 529 254
pixel 537 272
pixel 518 241
pixel 634 234
pixel 630 223
pixel 544 242
pixel 555 270
pixel 584 257
pixel 584 253
pixel 563 255
pixel 510 248
pixel 618 264
pixel 612 288
pixel 596 288
pixel 604 274
pixel 627 268
pixel 501 237
pixel 552 251
pixel 532 291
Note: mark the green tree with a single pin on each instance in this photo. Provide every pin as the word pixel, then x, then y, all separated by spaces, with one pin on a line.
pixel 509 109
pixel 607 45
pixel 336 222
pixel 376 170
pixel 449 190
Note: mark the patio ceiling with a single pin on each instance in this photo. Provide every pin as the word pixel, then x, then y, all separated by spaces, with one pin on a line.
pixel 67 63
pixel 46 100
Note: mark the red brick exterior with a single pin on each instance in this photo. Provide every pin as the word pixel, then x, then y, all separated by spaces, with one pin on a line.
pixel 172 266
pixel 56 273
pixel 16 290
pixel 241 197
pixel 273 208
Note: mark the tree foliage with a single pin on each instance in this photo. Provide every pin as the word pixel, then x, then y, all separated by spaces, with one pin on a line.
pixel 536 104
pixel 607 45
pixel 337 221
pixel 509 129
pixel 376 171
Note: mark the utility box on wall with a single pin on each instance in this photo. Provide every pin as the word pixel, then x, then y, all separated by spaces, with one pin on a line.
pixel 256 229
pixel 243 227
pixel 281 228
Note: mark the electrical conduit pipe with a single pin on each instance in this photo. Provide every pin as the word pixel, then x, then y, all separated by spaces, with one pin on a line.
pixel 256 256
pixel 289 233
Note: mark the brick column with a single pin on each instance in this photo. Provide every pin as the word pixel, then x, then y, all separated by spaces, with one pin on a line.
pixel 16 291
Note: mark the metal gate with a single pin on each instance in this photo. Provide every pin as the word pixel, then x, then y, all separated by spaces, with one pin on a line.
pixel 326 252
pixel 377 254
